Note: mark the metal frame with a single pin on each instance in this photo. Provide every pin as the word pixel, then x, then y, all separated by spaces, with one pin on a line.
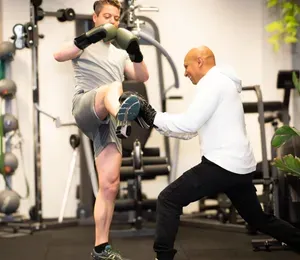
pixel 36 116
pixel 260 108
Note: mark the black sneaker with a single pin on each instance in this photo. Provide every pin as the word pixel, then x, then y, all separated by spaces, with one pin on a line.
pixel 107 254
pixel 128 111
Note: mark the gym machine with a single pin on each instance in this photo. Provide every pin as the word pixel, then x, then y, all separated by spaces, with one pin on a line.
pixel 148 33
pixel 139 25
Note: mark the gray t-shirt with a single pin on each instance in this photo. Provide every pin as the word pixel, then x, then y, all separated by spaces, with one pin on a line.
pixel 99 64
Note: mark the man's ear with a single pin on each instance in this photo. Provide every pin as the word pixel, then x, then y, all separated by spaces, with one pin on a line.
pixel 199 61
pixel 94 17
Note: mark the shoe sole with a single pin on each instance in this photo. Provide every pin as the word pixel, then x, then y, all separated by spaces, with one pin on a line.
pixel 140 121
pixel 128 111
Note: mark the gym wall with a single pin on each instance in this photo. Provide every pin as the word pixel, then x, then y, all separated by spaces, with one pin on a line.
pixel 234 30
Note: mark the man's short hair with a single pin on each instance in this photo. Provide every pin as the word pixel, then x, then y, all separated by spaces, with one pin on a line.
pixel 98 5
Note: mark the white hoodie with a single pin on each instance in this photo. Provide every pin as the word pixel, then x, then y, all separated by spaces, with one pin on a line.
pixel 217 116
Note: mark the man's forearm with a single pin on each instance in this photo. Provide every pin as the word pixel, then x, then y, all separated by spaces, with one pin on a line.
pixel 141 71
pixel 68 52
pixel 183 136
pixel 175 123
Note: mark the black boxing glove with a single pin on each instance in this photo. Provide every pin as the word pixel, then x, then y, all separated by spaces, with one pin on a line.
pixel 129 42
pixel 104 32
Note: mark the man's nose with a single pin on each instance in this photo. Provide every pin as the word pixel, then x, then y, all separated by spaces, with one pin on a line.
pixel 112 21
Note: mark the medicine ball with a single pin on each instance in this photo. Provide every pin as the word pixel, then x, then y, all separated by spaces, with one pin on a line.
pixel 9 202
pixel 10 163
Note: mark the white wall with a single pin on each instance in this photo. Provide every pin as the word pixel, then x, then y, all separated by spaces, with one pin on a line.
pixel 232 28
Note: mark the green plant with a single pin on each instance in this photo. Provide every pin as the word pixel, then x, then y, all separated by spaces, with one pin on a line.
pixel 296 82
pixel 288 163
pixel 285 28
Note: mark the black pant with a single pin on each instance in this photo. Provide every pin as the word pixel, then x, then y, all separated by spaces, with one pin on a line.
pixel 207 179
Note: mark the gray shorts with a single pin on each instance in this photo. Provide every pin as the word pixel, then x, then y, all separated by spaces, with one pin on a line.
pixel 101 132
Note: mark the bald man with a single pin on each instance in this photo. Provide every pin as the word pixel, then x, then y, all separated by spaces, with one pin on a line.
pixel 216 115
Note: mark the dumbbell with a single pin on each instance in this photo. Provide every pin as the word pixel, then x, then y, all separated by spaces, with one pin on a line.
pixel 62 15
pixel 67 14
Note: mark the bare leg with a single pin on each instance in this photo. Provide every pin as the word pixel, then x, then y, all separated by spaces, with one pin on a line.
pixel 108 165
pixel 107 99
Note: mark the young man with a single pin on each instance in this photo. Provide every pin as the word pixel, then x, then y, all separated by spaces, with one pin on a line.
pixel 99 72
pixel 216 115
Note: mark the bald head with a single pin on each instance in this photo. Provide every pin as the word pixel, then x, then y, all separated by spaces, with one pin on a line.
pixel 202 52
pixel 197 62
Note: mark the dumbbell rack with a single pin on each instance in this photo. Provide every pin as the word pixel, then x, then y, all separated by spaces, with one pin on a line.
pixel 27 36
pixel 9 162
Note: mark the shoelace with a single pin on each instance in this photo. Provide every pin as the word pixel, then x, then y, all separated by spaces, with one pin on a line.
pixel 109 250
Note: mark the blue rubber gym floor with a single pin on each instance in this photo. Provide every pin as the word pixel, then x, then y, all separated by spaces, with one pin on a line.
pixel 75 243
